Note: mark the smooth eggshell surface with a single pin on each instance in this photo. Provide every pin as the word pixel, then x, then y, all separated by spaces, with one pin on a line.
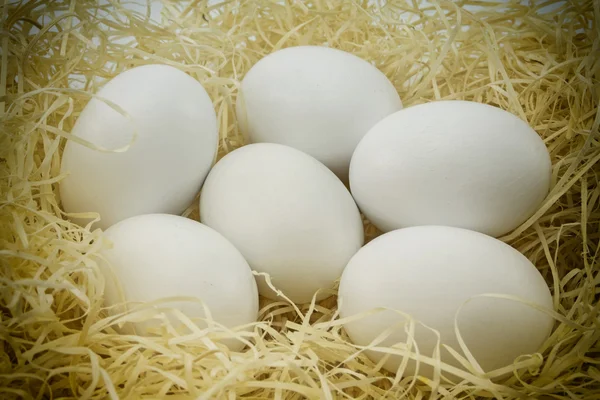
pixel 429 272
pixel 316 99
pixel 288 215
pixel 155 256
pixel 454 163
pixel 165 166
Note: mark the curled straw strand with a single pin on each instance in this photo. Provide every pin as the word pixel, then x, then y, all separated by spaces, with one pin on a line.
pixel 538 61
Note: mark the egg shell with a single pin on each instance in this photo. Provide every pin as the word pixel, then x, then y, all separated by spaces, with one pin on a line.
pixel 164 167
pixel 316 99
pixel 288 215
pixel 156 256
pixel 429 272
pixel 454 163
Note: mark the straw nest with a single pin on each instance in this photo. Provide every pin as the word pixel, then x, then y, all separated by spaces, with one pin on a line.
pixel 538 61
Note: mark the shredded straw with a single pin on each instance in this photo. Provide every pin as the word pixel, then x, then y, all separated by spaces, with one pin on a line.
pixel 541 62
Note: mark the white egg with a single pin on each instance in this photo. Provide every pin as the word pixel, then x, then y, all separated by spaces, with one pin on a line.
pixel 288 215
pixel 165 166
pixel 454 163
pixel 429 272
pixel 316 99
pixel 155 256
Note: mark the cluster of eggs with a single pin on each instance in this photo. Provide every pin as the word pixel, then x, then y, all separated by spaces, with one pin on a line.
pixel 441 178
